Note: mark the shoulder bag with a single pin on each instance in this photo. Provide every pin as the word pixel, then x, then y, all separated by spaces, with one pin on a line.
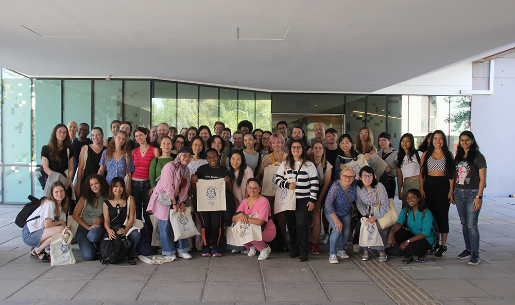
pixel 390 218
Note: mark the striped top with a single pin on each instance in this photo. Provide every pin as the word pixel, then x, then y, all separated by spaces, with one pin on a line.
pixel 307 179
pixel 435 165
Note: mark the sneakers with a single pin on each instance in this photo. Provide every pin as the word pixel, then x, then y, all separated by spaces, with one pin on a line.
pixel 383 258
pixel 464 255
pixel 315 249
pixel 205 251
pixel 333 259
pixel 215 252
pixel 365 257
pixel 441 251
pixel 252 251
pixel 356 248
pixel 342 254
pixel 435 248
pixel 263 255
pixel 474 260
pixel 325 239
pixel 185 255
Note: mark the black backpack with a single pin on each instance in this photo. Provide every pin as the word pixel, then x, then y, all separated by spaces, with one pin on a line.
pixel 113 251
pixel 28 209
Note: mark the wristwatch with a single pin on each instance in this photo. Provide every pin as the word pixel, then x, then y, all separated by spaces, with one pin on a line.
pixel 408 241
pixel 479 197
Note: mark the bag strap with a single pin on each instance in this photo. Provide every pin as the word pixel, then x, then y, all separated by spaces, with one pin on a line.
pixel 346 193
pixel 128 209
pixel 378 198
pixel 86 156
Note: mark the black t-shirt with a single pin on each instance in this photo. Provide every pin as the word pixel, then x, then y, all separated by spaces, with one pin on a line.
pixel 209 173
pixel 331 155
pixel 60 166
pixel 115 218
pixel 467 175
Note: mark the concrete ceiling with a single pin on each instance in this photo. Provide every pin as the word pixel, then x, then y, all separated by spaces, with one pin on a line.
pixel 313 46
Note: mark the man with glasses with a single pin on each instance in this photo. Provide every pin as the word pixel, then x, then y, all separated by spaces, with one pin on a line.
pixel 219 128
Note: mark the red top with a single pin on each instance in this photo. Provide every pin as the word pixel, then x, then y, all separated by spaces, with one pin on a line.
pixel 142 164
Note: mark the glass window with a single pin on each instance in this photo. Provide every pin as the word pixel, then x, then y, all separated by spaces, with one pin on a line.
pixel 164 103
pixel 108 104
pixel 376 116
pixel 263 111
pixel 188 105
pixel 208 107
pixel 16 120
pixel 229 108
pixel 354 114
pixel 247 106
pixel 418 117
pixel 47 114
pixel 77 101
pixel 459 119
pixel 439 114
pixel 395 119
pixel 17 184
pixel 137 103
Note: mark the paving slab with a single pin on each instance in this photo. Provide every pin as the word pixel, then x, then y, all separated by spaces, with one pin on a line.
pixel 452 288
pixel 483 270
pixel 289 275
pixel 234 292
pixel 301 292
pixel 338 275
pixel 493 301
pixel 179 275
pixel 177 292
pixel 135 273
pixel 111 290
pixel 11 286
pixel 456 301
pixel 283 263
pixel 18 302
pixel 50 290
pixel 237 274
pixel 354 292
pixel 28 271
pixel 499 287
pixel 71 272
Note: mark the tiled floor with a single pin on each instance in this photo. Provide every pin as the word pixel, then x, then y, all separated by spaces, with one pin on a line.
pixel 237 279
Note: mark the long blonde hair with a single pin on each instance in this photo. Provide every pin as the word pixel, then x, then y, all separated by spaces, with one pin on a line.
pixel 112 146
pixel 369 142
pixel 64 203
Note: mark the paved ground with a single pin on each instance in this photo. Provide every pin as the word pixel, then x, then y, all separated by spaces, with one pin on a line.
pixel 242 280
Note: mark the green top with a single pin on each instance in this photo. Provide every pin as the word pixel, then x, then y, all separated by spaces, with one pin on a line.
pixel 90 212
pixel 155 168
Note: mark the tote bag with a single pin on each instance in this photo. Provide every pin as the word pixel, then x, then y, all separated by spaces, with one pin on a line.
pixel 269 187
pixel 182 224
pixel 243 233
pixel 369 234
pixel 211 195
pixel 390 218
pixel 285 199
pixel 61 248
pixel 156 235
pixel 378 165
pixel 355 165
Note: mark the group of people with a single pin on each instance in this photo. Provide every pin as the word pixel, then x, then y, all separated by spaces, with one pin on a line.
pixel 110 184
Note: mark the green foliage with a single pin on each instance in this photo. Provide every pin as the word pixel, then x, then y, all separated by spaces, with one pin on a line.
pixel 460 112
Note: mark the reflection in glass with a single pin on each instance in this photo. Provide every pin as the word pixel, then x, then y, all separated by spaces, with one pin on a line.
pixel 459 119
pixel 48 105
pixel 229 108
pixel 17 184
pixel 164 103
pixel 247 106
pixel 263 111
pixel 108 104
pixel 395 119
pixel 355 114
pixel 187 105
pixel 208 106
pixel 77 101
pixel 137 103
pixel 376 115
pixel 418 119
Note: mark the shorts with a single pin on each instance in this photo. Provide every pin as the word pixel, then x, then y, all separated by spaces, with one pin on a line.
pixel 32 239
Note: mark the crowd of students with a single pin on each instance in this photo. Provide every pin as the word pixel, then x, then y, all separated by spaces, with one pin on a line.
pixel 118 181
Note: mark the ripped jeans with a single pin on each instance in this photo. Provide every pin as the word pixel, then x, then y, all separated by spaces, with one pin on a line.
pixel 464 199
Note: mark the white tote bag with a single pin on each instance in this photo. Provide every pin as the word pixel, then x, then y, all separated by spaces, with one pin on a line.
pixel 269 187
pixel 182 224
pixel 285 199
pixel 61 248
pixel 245 233
pixel 156 235
pixel 369 234
pixel 211 195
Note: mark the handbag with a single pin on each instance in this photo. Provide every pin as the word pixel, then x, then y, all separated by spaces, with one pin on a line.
pixel 285 199
pixel 182 224
pixel 61 248
pixel 137 224
pixel 162 197
pixel 390 218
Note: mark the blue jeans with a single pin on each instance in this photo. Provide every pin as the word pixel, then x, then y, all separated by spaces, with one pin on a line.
pixel 89 241
pixel 464 199
pixel 338 240
pixel 167 239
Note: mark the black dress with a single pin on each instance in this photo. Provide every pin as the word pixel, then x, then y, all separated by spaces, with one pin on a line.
pixel 92 162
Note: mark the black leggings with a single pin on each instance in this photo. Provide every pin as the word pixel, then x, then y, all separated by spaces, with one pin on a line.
pixel 297 222
pixel 437 189
pixel 210 223
pixel 415 248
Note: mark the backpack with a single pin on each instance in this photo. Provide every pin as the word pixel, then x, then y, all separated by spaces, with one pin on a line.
pixel 144 246
pixel 27 210
pixel 113 251
pixel 42 176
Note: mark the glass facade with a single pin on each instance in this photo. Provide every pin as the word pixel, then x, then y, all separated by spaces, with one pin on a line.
pixel 32 107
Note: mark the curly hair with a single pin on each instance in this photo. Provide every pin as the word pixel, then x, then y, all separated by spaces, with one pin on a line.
pixel 88 195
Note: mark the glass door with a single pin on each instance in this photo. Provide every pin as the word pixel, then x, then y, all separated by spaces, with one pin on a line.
pixel 308 122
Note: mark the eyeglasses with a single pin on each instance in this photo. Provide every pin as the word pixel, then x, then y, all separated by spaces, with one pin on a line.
pixel 296 147
pixel 62 132
pixel 363 133
pixel 367 176
pixel 179 142
pixel 347 177
pixel 265 138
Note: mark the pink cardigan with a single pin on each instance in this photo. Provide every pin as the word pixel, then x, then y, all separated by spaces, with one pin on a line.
pixel 167 183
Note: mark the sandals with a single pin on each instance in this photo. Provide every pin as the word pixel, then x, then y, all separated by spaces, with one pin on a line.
pixel 39 257
pixel 422 259
pixel 407 260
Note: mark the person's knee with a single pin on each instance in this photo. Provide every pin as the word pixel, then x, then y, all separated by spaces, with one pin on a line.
pixel 88 255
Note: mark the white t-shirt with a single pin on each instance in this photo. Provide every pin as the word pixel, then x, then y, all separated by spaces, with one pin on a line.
pixel 410 166
pixel 44 211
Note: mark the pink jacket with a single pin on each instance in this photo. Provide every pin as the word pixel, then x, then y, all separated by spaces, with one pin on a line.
pixel 167 184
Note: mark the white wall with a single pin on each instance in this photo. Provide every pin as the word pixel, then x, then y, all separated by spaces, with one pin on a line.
pixel 447 81
pixel 493 125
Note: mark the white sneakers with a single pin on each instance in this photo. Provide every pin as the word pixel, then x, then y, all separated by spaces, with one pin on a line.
pixel 184 255
pixel 263 255
pixel 252 251
pixel 342 254
pixel 333 259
